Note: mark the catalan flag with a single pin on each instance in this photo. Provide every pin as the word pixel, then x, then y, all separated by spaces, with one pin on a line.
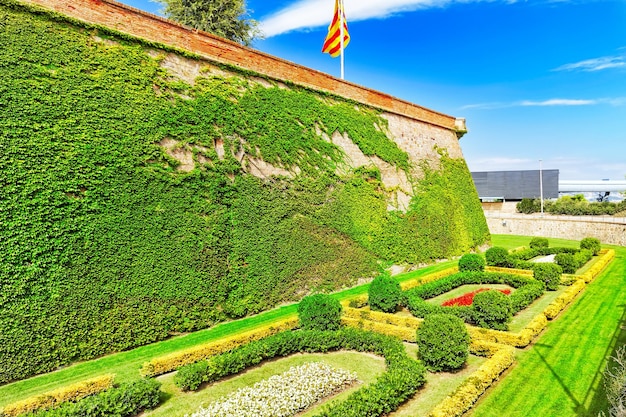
pixel 333 44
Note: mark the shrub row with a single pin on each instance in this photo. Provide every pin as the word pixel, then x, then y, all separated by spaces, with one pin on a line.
pixel 403 377
pixel 127 400
pixel 564 299
pixel 384 318
pixel 606 256
pixel 521 339
pixel 51 399
pixel 168 363
pixel 404 333
pixel 473 387
pixel 407 285
pixel 571 205
pixel 549 274
pixel 520 259
pixel 527 290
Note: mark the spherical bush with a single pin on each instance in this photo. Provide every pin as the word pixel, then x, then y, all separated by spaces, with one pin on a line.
pixel 319 312
pixel 443 342
pixel 384 294
pixel 492 310
pixel 539 243
pixel 590 243
pixel 566 261
pixel 497 256
pixel 549 273
pixel 471 262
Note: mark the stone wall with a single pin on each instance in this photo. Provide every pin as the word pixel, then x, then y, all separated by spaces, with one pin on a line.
pixel 610 230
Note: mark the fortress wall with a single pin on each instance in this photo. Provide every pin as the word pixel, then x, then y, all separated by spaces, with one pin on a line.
pixel 111 14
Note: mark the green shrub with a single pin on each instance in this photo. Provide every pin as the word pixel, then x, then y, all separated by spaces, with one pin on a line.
pixel 492 310
pixel 566 262
pixel 471 262
pixel 384 294
pixel 591 243
pixel 319 312
pixel 528 206
pixel 443 342
pixel 497 256
pixel 127 400
pixel 548 273
pixel 539 243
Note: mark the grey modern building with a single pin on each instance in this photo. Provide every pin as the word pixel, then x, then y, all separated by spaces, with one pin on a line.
pixel 515 185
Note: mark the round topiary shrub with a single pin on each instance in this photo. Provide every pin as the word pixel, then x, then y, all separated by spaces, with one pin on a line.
pixel 590 243
pixel 549 273
pixel 443 342
pixel 471 262
pixel 497 256
pixel 566 262
pixel 539 243
pixel 319 312
pixel 492 310
pixel 384 294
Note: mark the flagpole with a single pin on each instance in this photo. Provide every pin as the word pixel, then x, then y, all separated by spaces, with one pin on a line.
pixel 341 35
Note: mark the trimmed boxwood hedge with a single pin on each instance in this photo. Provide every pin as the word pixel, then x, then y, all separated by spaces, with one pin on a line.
pixel 527 291
pixel 319 312
pixel 402 379
pixel 127 400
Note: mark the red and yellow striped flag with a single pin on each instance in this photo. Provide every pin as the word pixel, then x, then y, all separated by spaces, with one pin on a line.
pixel 332 43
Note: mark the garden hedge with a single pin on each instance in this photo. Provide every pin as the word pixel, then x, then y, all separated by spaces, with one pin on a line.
pixel 51 399
pixel 402 379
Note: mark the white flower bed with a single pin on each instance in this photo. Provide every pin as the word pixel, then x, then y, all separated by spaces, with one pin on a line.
pixel 281 395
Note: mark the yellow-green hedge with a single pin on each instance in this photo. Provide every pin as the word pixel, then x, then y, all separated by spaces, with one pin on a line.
pixel 564 299
pixel 515 271
pixel 521 339
pixel 379 316
pixel 168 363
pixel 605 256
pixel 484 348
pixel 412 283
pixel 54 398
pixel 407 334
pixel 475 385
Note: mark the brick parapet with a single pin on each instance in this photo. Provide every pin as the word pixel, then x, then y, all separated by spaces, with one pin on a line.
pixel 143 25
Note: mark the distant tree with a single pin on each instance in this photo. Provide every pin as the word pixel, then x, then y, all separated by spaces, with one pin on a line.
pixel 226 18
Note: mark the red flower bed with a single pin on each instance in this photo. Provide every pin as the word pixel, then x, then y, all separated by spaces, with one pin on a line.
pixel 468 299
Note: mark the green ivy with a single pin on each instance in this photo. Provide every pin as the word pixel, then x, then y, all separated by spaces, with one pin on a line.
pixel 105 245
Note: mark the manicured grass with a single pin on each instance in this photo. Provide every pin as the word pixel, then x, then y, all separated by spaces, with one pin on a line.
pixel 561 374
pixel 126 365
pixel 367 367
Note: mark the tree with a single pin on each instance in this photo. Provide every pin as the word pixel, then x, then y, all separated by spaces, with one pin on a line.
pixel 226 18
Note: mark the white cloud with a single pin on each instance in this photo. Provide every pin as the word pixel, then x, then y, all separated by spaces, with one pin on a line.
pixel 595 64
pixel 558 102
pixel 614 101
pixel 307 14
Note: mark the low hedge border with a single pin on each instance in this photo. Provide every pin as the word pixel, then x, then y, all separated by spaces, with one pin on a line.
pixel 605 256
pixel 127 400
pixel 412 283
pixel 403 377
pixel 475 385
pixel 380 317
pixel 404 333
pixel 514 271
pixel 564 299
pixel 54 398
pixel 173 361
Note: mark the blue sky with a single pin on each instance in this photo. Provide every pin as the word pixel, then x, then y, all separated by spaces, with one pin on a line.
pixel 536 79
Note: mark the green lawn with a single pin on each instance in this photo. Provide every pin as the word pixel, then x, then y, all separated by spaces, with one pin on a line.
pixel 561 374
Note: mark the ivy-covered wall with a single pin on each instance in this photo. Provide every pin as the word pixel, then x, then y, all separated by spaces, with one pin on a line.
pixel 107 243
